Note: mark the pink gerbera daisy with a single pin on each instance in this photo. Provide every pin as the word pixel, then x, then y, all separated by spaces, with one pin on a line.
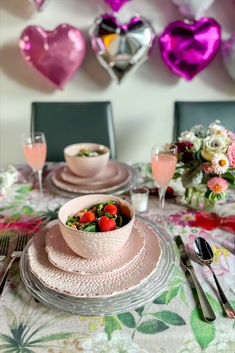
pixel 231 154
pixel 217 185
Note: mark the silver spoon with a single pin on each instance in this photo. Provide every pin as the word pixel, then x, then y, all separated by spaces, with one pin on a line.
pixel 205 254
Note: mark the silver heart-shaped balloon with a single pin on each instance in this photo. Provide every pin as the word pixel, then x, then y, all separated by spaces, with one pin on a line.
pixel 228 53
pixel 121 48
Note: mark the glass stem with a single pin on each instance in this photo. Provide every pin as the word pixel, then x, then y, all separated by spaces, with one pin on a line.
pixel 39 173
pixel 161 193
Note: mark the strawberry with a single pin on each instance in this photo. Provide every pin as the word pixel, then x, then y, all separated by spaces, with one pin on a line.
pixel 112 209
pixel 106 224
pixel 87 217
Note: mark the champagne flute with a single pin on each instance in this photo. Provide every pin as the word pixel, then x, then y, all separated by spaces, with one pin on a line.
pixel 163 163
pixel 35 150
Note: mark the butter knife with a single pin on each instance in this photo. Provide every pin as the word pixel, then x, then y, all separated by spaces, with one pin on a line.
pixel 207 310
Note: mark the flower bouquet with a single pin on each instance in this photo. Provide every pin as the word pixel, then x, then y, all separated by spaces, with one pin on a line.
pixel 206 164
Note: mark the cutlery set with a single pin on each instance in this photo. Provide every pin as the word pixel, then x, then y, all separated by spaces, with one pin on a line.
pixel 7 257
pixel 204 254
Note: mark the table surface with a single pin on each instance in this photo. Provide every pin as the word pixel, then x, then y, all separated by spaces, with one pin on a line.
pixel 170 323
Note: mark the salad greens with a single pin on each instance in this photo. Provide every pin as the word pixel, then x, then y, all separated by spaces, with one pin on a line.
pixel 98 210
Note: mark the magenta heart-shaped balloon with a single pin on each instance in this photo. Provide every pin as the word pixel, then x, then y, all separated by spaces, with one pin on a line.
pixel 116 4
pixel 187 48
pixel 56 55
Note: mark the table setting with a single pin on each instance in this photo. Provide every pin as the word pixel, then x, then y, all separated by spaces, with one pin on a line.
pixel 111 259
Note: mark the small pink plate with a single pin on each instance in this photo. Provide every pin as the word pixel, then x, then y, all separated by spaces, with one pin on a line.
pixel 61 256
pixel 96 285
pixel 111 171
pixel 107 185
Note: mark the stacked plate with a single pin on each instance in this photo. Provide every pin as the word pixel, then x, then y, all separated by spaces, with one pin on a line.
pixel 126 280
pixel 114 179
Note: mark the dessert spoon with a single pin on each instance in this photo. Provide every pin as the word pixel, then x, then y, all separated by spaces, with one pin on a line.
pixel 204 254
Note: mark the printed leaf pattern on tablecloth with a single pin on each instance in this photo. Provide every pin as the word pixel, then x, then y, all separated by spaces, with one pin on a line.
pixel 204 332
pixel 170 318
pixel 24 338
pixel 29 332
pixel 152 326
pixel 111 324
pixel 127 319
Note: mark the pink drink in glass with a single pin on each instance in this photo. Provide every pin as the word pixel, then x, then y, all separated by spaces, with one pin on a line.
pixel 163 168
pixel 35 154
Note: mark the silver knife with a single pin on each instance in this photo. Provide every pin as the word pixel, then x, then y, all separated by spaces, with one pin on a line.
pixel 207 310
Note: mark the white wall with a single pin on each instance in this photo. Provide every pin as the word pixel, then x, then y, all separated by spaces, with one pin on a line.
pixel 142 104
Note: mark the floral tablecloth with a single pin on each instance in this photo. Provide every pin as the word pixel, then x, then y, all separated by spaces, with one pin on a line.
pixel 171 323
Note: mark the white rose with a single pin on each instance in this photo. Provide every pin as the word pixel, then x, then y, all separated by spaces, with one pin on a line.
pixel 189 136
pixel 215 128
pixel 212 145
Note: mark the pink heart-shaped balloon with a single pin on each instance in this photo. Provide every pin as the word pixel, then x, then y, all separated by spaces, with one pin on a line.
pixel 39 3
pixel 187 48
pixel 116 4
pixel 56 55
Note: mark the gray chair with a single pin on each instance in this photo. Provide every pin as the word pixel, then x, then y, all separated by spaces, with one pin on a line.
pixel 188 114
pixel 65 123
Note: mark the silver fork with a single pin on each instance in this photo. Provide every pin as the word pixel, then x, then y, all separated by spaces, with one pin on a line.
pixel 4 245
pixel 20 244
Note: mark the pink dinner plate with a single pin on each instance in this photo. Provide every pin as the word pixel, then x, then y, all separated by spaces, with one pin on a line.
pixel 61 256
pixel 110 172
pixel 96 285
pixel 107 185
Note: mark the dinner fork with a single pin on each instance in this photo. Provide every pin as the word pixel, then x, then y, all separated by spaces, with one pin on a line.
pixel 20 244
pixel 4 244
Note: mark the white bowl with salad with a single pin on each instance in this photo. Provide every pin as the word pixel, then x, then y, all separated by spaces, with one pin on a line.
pixel 86 159
pixel 96 225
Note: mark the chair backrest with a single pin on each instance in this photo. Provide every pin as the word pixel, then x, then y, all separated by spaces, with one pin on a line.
pixel 188 114
pixel 65 123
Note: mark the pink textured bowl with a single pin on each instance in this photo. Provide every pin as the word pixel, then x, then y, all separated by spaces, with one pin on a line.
pixel 94 244
pixel 86 166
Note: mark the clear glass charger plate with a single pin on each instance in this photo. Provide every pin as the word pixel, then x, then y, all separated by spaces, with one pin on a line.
pixel 129 300
pixel 68 194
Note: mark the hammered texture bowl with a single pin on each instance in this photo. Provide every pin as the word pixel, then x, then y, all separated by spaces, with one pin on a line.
pixel 95 244
pixel 86 166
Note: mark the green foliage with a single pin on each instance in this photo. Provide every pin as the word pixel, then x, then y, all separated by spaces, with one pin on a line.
pixel 90 227
pixel 176 175
pixel 189 174
pixel 230 177
pixel 119 221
